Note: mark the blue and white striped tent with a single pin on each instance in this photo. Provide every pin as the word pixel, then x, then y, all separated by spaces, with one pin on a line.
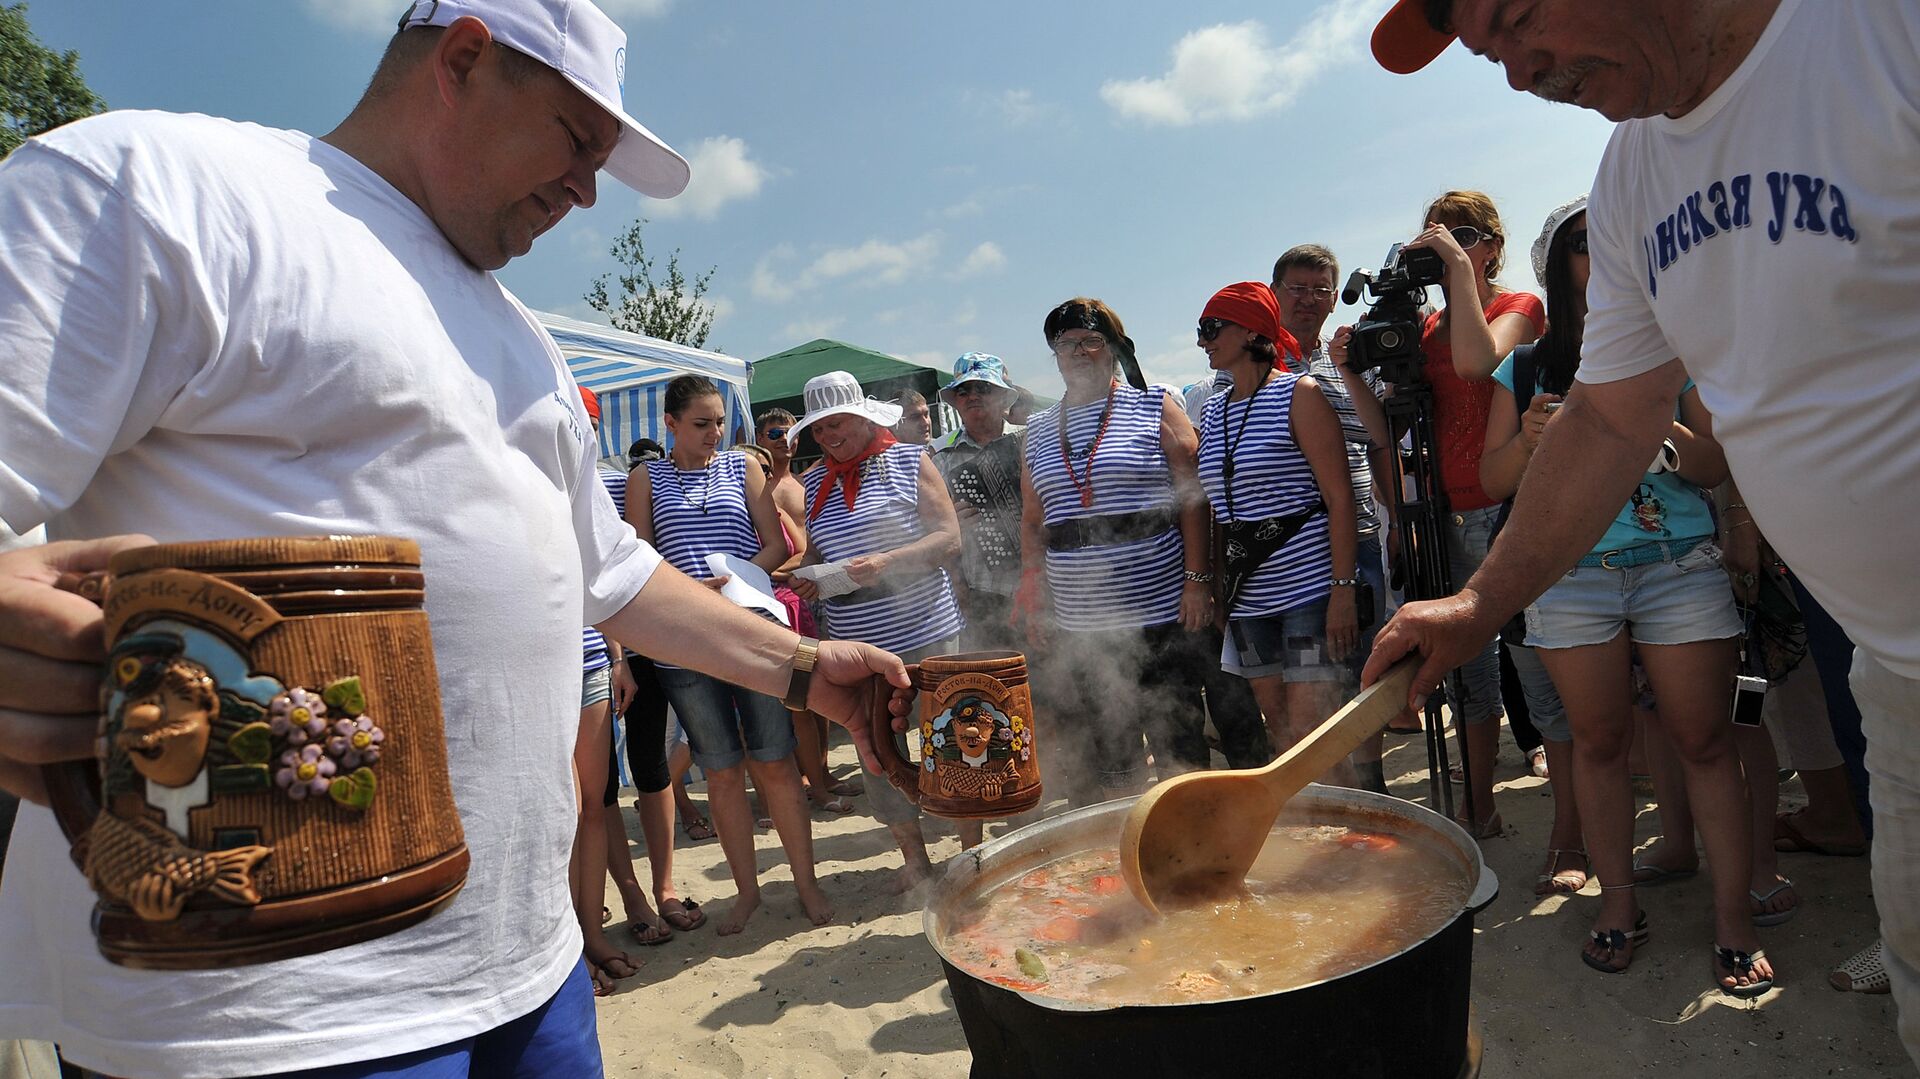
pixel 629 373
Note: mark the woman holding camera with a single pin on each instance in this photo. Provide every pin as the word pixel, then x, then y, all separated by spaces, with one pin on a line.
pixel 1462 343
pixel 1653 584
pixel 1115 564
pixel 1274 464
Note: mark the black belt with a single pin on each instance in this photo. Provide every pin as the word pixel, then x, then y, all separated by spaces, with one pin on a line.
pixel 1110 528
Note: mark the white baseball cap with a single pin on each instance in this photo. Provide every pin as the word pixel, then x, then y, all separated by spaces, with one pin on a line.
pixel 589 50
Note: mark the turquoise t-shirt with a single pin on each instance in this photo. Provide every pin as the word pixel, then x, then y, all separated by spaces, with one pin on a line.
pixel 1663 507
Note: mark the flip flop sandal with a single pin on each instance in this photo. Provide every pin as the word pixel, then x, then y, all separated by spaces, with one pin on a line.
pixel 1738 964
pixel 606 915
pixel 704 830
pixel 1789 839
pixel 847 788
pixel 1772 918
pixel 1537 763
pixel 688 918
pixel 603 986
pixel 836 806
pixel 1491 828
pixel 1550 882
pixel 1648 874
pixel 1615 941
pixel 651 936
pixel 1865 971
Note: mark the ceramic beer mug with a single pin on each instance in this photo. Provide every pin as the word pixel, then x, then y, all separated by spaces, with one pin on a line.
pixel 979 757
pixel 272 777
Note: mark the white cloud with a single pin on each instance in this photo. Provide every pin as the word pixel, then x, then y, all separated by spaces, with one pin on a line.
pixel 380 16
pixel 875 262
pixel 722 173
pixel 811 328
pixel 1234 72
pixel 983 259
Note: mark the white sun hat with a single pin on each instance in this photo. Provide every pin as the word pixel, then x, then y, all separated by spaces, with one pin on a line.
pixel 838 393
pixel 1560 216
pixel 589 50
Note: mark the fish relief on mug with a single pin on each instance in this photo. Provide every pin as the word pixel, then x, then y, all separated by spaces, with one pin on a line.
pixel 188 723
pixel 974 748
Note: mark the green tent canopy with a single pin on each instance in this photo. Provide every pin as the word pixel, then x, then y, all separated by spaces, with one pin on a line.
pixel 779 380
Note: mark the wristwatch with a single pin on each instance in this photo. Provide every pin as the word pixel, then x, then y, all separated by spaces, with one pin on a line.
pixel 806 652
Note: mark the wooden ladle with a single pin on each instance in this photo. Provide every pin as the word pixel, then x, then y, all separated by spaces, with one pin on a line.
pixel 1192 838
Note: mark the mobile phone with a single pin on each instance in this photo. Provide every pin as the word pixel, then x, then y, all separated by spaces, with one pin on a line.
pixel 1749 694
pixel 1554 406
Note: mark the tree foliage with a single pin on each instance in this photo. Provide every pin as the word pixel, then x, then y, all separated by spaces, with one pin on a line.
pixel 39 89
pixel 670 309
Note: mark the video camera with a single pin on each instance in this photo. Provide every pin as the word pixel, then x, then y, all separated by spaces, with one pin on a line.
pixel 1388 335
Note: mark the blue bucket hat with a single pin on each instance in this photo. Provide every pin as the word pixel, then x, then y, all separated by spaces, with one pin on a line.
pixel 979 367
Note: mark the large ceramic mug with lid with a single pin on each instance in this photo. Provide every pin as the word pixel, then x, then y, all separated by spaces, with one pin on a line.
pixel 979 759
pixel 272 774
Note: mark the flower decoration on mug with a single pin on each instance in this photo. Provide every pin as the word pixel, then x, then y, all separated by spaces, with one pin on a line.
pixel 327 743
pixel 355 742
pixel 298 715
pixel 305 771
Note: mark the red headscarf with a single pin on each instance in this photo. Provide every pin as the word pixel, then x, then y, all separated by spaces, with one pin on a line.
pixel 591 402
pixel 1253 305
pixel 847 473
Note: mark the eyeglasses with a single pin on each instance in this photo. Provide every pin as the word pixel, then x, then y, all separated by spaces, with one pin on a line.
pixel 1092 344
pixel 1577 241
pixel 1308 292
pixel 1468 237
pixel 1210 328
pixel 776 432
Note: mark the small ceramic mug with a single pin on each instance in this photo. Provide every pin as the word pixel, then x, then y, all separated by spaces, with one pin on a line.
pixel 979 759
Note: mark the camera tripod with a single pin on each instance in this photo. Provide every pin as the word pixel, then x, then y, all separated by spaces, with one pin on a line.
pixel 1422 513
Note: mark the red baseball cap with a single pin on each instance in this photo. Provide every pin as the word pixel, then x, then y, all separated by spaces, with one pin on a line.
pixel 1404 42
pixel 592 403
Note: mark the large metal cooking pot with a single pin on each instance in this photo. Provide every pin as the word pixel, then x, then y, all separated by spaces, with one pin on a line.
pixel 1402 1017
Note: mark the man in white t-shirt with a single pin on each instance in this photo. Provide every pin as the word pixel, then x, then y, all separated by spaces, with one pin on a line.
pixel 219 330
pixel 1757 215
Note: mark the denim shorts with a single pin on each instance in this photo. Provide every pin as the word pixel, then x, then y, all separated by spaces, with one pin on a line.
pixel 726 724
pixel 596 686
pixel 1291 644
pixel 1681 601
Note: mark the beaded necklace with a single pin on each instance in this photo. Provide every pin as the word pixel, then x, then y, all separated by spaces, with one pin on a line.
pixel 1066 451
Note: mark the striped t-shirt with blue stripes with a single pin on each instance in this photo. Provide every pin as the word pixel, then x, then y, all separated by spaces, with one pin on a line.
pixel 885 516
pixel 592 643
pixel 1271 478
pixel 701 512
pixel 1119 585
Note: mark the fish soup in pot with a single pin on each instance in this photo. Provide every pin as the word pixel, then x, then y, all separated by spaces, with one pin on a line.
pixel 1349 955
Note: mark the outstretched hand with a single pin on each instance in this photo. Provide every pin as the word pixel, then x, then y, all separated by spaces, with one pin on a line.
pixel 1446 632
pixel 845 690
pixel 52 645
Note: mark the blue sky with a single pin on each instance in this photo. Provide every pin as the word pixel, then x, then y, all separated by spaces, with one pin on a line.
pixel 929 180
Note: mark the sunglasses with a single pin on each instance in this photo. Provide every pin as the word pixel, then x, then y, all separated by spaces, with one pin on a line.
pixel 1577 241
pixel 1468 237
pixel 1210 328
pixel 776 432
pixel 970 389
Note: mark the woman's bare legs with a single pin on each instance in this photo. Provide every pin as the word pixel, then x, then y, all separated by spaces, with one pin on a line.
pixel 1690 682
pixel 1292 710
pixel 620 867
pixel 589 876
pixel 1593 685
pixel 779 784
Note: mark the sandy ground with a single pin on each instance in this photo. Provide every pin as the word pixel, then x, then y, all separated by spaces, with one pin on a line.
pixel 865 996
